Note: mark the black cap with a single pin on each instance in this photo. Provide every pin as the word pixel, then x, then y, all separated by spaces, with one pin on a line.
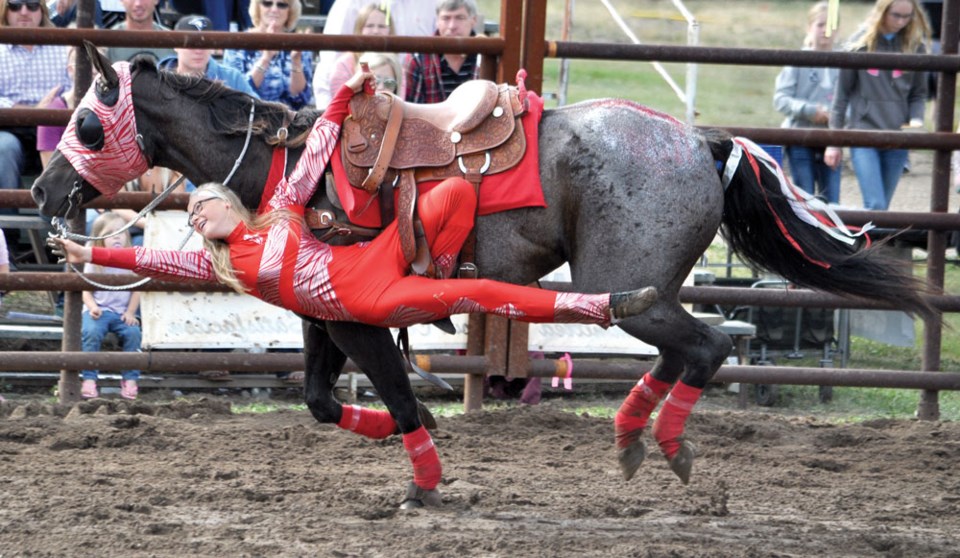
pixel 194 23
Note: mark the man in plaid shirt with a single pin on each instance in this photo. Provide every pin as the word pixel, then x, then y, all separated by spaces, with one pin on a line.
pixel 30 76
pixel 432 77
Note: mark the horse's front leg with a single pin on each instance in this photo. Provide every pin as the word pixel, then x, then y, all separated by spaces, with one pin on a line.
pixel 373 350
pixel 323 364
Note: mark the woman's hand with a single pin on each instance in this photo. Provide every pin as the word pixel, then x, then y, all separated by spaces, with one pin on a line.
pixel 95 311
pixel 358 79
pixel 74 253
pixel 832 157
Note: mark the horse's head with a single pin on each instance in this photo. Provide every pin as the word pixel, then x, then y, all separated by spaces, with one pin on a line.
pixel 100 149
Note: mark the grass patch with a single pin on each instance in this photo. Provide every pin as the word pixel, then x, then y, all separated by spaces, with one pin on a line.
pixel 261 407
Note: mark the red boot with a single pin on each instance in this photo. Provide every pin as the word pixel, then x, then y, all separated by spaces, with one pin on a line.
pixel 632 418
pixel 669 426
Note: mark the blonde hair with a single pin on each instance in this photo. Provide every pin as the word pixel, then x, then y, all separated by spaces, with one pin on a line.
pixel 816 11
pixel 915 34
pixel 378 59
pixel 219 249
pixel 104 223
pixel 44 19
pixel 293 16
pixel 364 14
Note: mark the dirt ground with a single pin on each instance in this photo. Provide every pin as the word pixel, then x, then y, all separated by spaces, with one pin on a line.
pixel 187 478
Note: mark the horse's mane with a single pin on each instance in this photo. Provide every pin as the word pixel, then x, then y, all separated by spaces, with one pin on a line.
pixel 229 109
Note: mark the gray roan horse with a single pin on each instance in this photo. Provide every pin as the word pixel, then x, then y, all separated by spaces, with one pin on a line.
pixel 633 199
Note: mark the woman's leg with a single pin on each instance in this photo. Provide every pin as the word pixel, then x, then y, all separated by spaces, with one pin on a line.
pixel 802 167
pixel 415 299
pixel 866 164
pixel 829 180
pixel 447 212
pixel 891 168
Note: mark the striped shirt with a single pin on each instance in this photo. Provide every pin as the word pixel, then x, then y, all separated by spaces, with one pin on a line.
pixel 26 76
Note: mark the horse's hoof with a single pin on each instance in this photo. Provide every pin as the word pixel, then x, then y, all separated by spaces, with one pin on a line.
pixel 426 417
pixel 417 498
pixel 682 462
pixel 631 457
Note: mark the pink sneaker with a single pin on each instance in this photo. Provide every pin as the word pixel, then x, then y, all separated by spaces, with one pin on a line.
pixel 128 389
pixel 88 390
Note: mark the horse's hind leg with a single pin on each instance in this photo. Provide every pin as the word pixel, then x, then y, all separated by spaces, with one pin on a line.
pixel 372 349
pixel 692 352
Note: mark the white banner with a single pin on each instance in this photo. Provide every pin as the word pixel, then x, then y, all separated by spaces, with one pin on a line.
pixel 181 320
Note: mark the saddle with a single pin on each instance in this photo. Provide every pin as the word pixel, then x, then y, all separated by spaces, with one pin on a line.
pixel 476 131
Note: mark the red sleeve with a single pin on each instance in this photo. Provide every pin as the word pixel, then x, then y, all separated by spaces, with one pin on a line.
pixel 122 258
pixel 337 109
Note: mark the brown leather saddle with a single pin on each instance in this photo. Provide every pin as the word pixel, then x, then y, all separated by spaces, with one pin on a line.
pixel 387 144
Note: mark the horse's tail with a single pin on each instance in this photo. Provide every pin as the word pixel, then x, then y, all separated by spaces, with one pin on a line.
pixel 775 226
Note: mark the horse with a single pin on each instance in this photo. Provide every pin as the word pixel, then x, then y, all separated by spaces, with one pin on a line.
pixel 633 198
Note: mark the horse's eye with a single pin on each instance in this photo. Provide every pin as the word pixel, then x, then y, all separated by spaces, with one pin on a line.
pixel 106 94
pixel 90 130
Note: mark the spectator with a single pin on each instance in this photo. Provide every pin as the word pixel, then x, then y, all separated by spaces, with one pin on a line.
pixel 282 76
pixel 386 67
pixel 49 136
pixel 805 94
pixel 880 99
pixel 64 12
pixel 29 74
pixel 372 20
pixel 430 78
pixel 140 17
pixel 411 18
pixel 110 311
pixel 221 13
pixel 199 62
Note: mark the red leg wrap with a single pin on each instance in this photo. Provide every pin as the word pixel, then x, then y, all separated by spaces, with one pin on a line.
pixel 633 415
pixel 367 422
pixel 423 455
pixel 668 427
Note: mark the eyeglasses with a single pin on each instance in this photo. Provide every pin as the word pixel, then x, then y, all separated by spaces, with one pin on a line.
pixel 895 15
pixel 269 4
pixel 196 210
pixel 31 6
pixel 387 83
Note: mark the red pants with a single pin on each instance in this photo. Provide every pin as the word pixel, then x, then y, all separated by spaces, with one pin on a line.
pixel 371 278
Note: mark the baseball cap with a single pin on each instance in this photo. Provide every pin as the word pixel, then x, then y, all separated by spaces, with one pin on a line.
pixel 194 23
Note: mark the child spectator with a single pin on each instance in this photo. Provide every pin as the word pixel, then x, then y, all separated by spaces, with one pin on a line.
pixel 371 21
pixel 804 95
pixel 110 311
pixel 386 67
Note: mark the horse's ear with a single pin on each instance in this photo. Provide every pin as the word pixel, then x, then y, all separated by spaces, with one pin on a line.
pixel 101 64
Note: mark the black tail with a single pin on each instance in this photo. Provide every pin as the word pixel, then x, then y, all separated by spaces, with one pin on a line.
pixel 759 223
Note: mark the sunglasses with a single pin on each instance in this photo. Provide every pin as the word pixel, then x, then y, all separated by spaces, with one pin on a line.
pixel 269 4
pixel 15 6
pixel 388 83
